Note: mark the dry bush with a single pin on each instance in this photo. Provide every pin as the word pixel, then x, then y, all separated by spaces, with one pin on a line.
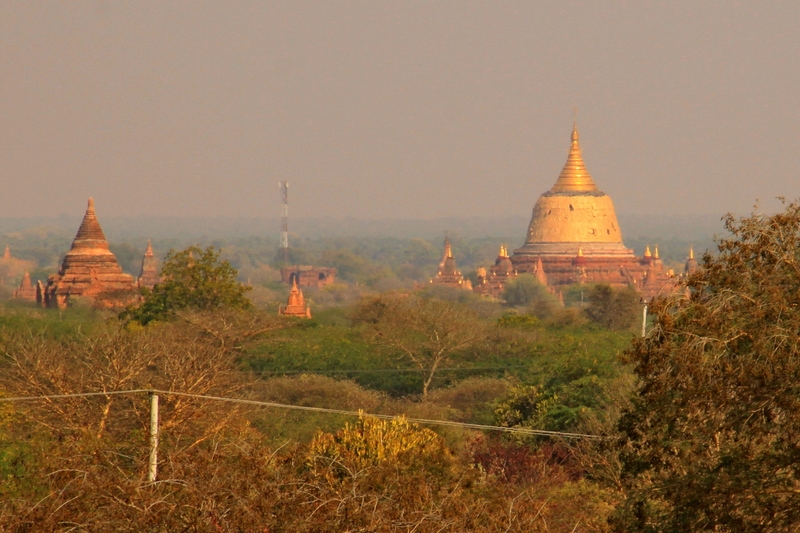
pixel 84 468
pixel 471 395
pixel 569 317
pixel 233 483
pixel 317 391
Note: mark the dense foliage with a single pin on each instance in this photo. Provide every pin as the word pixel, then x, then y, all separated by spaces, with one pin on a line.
pixel 193 278
pixel 613 308
pixel 425 331
pixel 712 441
pixel 78 464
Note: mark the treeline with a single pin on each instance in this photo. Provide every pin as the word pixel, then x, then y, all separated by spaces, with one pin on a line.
pixel 378 262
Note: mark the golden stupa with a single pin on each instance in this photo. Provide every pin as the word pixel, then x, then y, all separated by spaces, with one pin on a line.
pixel 574 215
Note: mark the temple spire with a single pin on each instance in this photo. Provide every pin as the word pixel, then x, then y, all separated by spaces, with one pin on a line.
pixel 574 176
pixel 691 252
pixel 90 234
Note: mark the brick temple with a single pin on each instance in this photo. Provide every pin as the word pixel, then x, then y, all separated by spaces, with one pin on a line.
pixel 148 277
pixel 89 273
pixel 448 273
pixel 308 276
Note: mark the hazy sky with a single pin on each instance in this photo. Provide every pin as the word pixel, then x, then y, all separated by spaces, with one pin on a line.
pixel 394 109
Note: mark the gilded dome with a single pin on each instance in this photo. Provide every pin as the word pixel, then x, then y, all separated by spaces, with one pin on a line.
pixel 574 214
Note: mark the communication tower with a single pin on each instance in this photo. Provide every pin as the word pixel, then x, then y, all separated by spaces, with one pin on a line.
pixel 284 186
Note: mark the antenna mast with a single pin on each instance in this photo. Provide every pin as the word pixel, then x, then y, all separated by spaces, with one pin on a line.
pixel 284 186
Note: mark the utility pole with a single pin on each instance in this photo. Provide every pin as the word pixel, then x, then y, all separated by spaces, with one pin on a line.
pixel 152 464
pixel 284 186
pixel 644 319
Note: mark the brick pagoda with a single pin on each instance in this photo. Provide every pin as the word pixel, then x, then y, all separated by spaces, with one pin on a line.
pixel 90 272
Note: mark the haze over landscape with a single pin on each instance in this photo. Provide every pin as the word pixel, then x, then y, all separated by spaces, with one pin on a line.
pixel 454 328
pixel 401 111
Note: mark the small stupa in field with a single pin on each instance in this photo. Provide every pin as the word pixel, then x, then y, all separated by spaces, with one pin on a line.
pixel 296 306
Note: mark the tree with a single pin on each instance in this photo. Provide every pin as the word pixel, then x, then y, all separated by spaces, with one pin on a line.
pixel 525 290
pixel 193 278
pixel 613 308
pixel 427 332
pixel 712 439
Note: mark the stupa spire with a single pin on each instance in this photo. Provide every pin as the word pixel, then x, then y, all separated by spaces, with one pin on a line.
pixel 90 234
pixel 574 176
pixel 691 252
pixel 647 252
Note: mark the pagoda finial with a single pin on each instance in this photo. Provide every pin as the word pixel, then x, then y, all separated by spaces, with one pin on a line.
pixel 691 252
pixel 655 254
pixel 647 252
pixel 90 206
pixel 574 176
pixel 149 251
pixel 574 124
pixel 580 252
pixel 448 250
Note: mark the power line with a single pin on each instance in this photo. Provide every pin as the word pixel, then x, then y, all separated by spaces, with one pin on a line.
pixel 382 370
pixel 423 421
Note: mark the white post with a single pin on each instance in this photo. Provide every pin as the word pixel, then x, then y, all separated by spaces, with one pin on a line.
pixel 644 320
pixel 152 466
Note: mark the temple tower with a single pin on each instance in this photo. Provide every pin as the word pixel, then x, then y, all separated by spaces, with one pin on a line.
pixel 296 305
pixel 90 271
pixel 574 214
pixel 26 290
pixel 149 277
pixel 448 273
pixel 691 263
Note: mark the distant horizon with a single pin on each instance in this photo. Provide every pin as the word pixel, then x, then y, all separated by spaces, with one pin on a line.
pixel 514 228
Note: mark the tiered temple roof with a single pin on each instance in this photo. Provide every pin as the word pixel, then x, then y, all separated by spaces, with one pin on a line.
pixel 296 306
pixel 448 274
pixel 493 282
pixel 149 275
pixel 26 290
pixel 90 271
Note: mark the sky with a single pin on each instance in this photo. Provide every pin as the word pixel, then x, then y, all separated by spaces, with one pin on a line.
pixel 380 110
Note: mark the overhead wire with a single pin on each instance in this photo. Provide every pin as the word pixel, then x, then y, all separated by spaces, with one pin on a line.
pixel 382 370
pixel 423 421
